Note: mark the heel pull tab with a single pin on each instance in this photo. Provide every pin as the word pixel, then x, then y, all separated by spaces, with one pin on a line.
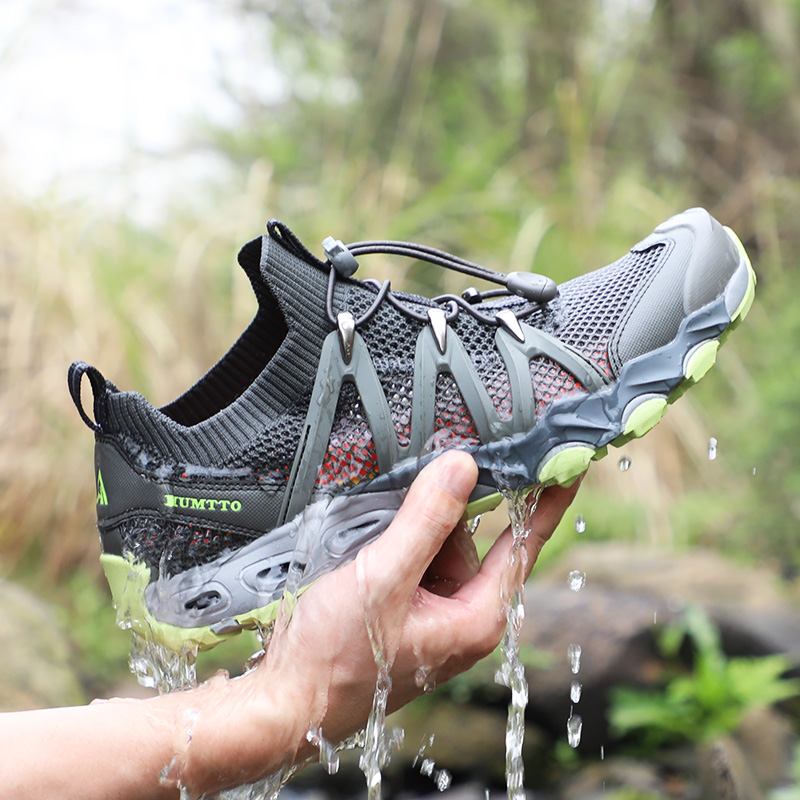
pixel 98 383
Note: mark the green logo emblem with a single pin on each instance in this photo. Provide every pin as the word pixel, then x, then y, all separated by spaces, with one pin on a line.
pixel 102 497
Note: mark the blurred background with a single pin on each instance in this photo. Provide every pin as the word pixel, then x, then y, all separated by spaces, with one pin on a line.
pixel 142 144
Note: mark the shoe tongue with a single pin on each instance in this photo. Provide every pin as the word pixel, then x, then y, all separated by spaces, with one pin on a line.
pixel 299 289
pixel 276 274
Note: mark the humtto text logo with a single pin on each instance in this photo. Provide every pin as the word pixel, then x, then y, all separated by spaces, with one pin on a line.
pixel 201 503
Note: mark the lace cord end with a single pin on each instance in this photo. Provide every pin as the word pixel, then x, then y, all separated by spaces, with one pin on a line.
pixel 342 260
pixel 535 288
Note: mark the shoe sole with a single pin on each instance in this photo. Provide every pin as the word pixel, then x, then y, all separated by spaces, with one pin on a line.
pixel 572 433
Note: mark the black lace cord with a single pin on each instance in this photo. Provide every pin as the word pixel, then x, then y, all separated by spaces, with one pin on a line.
pixel 283 234
pixel 429 254
pixel 519 312
pixel 383 289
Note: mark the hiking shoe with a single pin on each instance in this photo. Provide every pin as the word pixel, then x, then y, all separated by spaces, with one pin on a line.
pixel 296 449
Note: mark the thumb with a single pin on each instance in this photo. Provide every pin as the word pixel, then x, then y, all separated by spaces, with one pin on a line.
pixel 435 503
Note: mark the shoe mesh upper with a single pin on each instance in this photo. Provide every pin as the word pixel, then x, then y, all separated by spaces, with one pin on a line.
pixel 171 548
pixel 592 304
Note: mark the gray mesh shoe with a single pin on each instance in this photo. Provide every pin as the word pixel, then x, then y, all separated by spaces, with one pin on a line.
pixel 296 449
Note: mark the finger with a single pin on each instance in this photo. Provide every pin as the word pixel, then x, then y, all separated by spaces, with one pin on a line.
pixel 541 523
pixel 452 632
pixel 488 588
pixel 454 564
pixel 433 506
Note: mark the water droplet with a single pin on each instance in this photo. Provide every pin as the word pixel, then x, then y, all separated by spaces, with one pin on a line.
pixel 427 741
pixel 426 768
pixel 655 617
pixel 602 753
pixel 712 449
pixel 575 691
pixel 574 656
pixel 580 523
pixel 574 728
pixel 576 580
pixel 754 470
pixel 472 524
pixel 624 464
pixel 443 780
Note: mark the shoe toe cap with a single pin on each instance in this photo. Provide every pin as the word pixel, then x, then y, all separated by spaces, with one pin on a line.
pixel 698 266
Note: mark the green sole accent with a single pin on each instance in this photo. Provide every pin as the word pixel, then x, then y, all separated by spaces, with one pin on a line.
pixel 566 465
pixel 749 295
pixel 645 416
pixel 488 503
pixel 701 360
pixel 128 581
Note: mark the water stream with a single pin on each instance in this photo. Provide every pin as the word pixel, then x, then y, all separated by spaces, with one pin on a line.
pixel 521 506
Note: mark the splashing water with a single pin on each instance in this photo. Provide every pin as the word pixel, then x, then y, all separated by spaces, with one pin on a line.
pixel 624 464
pixel 426 743
pixel 157 667
pixel 574 656
pixel 424 681
pixel 575 689
pixel 574 728
pixel 328 753
pixel 712 449
pixel 576 580
pixel 443 780
pixel 378 742
pixel 580 524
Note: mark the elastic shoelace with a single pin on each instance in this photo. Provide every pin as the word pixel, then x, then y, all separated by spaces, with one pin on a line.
pixel 537 289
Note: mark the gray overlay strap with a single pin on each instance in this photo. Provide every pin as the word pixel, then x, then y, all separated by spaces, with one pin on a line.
pixel 430 361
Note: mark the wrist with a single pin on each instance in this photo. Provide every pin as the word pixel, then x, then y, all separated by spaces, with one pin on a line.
pixel 231 732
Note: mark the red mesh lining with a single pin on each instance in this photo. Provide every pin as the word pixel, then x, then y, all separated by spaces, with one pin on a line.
pixel 454 424
pixel 351 455
pixel 551 382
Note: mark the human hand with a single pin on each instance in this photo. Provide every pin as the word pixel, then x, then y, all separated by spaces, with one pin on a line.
pixel 418 596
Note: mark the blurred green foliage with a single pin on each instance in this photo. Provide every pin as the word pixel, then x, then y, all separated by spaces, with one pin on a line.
pixel 699 705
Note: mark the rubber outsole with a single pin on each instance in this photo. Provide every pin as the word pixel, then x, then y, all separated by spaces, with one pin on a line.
pixel 562 465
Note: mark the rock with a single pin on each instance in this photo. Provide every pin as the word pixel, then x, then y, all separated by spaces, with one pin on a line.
pixel 35 659
pixel 767 739
pixel 614 629
pixel 597 781
pixel 747 603
pixel 725 773
pixel 469 741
